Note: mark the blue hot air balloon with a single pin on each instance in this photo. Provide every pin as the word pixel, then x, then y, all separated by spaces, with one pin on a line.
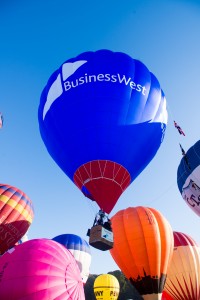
pixel 188 177
pixel 80 249
pixel 102 117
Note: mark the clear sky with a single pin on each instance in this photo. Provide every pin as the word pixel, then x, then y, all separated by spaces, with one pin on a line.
pixel 36 37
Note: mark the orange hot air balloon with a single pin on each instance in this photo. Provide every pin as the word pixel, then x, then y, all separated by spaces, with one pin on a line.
pixel 183 276
pixel 143 247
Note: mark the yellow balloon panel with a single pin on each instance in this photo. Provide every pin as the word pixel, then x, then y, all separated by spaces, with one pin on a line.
pixel 106 287
pixel 106 293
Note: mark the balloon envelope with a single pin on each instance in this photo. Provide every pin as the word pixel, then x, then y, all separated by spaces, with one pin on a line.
pixel 143 245
pixel 188 177
pixel 106 287
pixel 80 250
pixel 183 274
pixel 165 296
pixel 16 215
pixel 40 269
pixel 22 240
pixel 102 117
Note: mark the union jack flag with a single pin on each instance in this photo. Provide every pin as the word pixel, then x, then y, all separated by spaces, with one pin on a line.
pixel 180 130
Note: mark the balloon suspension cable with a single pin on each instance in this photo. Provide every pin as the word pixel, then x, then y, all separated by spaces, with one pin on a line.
pixel 182 133
pixel 187 166
pixel 91 205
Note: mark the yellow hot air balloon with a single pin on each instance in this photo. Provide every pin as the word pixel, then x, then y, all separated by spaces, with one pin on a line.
pixel 143 247
pixel 106 287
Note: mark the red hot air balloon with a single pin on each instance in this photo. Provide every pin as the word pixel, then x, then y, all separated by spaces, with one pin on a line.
pixel 183 275
pixel 40 269
pixel 16 215
pixel 143 245
pixel 102 117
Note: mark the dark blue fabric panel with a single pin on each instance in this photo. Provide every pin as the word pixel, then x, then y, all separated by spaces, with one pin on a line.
pixel 183 172
pixel 73 242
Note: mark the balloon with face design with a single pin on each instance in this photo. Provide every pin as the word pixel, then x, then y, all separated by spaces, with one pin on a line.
pixel 188 177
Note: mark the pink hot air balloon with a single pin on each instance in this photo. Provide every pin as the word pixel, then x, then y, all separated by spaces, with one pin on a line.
pixel 40 269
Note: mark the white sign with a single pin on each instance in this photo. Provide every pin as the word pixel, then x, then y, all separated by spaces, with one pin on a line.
pixel 106 234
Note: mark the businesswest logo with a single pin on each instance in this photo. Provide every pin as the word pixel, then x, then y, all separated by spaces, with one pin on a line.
pixel 62 84
pixel 114 78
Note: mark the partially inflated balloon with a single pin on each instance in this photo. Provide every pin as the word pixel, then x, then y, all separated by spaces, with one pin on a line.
pixel 106 287
pixel 80 250
pixel 143 245
pixel 16 215
pixel 183 276
pixel 102 117
pixel 188 177
pixel 40 269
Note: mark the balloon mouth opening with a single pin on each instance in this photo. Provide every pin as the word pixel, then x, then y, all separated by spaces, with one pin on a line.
pixel 102 181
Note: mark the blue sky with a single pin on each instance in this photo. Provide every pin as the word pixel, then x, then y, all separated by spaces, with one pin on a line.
pixel 36 38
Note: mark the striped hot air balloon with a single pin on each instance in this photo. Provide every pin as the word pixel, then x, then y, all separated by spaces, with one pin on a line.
pixel 16 215
pixel 183 275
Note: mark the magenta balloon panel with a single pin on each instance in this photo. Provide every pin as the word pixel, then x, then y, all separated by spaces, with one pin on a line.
pixel 40 269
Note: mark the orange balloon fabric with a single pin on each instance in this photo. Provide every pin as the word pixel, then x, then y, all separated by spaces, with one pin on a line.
pixel 143 247
pixel 183 276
